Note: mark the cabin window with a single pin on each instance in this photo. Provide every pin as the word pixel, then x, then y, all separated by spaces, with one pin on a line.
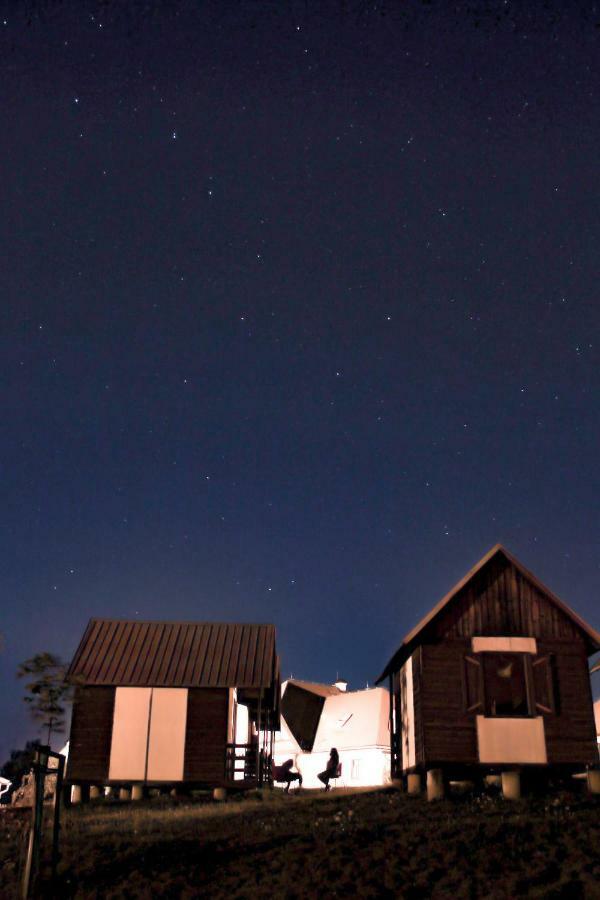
pixel 505 684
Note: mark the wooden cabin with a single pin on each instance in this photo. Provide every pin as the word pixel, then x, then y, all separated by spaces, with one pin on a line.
pixel 494 680
pixel 184 705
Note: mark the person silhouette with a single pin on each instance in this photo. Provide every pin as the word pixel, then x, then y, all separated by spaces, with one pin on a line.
pixel 331 768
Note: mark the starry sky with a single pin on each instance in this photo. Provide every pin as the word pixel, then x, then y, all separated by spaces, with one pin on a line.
pixel 298 316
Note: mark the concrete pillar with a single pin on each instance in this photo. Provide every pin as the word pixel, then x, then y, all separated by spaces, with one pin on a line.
pixel 124 793
pixel 493 780
pixel 511 785
pixel 593 781
pixel 435 784
pixel 94 791
pixel 220 794
pixel 137 792
pixel 413 782
pixel 76 793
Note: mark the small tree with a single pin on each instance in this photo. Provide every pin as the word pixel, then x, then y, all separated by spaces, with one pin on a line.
pixel 47 690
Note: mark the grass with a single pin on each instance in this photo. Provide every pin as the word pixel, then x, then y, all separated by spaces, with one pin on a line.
pixel 366 844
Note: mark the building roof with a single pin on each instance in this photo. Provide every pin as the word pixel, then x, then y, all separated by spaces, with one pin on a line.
pixel 175 654
pixel 410 641
pixel 315 687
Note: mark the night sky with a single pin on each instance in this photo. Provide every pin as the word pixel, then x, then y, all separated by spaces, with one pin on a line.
pixel 299 316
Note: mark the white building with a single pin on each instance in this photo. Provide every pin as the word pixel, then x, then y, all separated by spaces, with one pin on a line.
pixel 317 717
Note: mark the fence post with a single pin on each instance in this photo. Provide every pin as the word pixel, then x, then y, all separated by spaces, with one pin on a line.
pixel 60 771
pixel 37 811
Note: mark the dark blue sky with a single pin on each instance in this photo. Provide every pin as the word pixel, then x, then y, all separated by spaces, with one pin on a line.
pixel 298 317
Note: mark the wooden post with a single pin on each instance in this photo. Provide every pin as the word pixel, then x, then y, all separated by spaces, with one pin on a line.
pixel 391 727
pixel 511 785
pixel 258 738
pixel 435 784
pixel 593 781
pixel 58 789
pixel 35 834
pixel 414 783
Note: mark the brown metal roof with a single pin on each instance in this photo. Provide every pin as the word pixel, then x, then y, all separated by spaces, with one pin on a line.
pixel 175 654
pixel 405 648
pixel 315 687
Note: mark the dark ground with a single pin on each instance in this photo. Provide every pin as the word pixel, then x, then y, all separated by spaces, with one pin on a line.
pixel 371 844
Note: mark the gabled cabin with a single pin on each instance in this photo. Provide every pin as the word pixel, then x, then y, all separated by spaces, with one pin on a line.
pixel 494 679
pixel 316 717
pixel 172 704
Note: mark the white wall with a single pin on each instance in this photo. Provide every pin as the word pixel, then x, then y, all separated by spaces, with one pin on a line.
pixel 356 723
pixel 407 716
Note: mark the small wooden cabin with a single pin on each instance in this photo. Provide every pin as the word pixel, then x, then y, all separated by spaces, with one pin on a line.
pixel 494 679
pixel 172 703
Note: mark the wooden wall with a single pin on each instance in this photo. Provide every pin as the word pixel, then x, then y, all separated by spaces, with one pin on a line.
pixel 91 733
pixel 571 730
pixel 449 732
pixel 206 735
pixel 499 600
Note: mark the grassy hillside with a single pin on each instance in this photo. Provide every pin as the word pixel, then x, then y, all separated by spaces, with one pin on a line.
pixel 370 844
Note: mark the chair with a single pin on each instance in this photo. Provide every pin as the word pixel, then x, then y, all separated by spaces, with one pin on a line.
pixel 279 775
pixel 338 774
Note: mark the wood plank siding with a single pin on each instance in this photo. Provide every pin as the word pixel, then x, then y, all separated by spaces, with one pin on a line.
pixel 571 730
pixel 449 732
pixel 91 732
pixel 206 734
pixel 500 600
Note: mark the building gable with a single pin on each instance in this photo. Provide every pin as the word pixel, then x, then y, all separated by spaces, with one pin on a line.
pixel 498 596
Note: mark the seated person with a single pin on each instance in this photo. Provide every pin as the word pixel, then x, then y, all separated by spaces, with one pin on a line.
pixel 332 768
pixel 284 773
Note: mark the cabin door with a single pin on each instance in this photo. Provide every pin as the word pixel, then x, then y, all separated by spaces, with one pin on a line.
pixel 148 736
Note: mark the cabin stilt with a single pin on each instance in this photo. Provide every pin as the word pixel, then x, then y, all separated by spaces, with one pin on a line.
pixel 413 783
pixel 435 784
pixel 593 781
pixel 511 785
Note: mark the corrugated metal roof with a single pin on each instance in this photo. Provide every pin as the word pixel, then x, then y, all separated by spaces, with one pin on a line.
pixel 175 654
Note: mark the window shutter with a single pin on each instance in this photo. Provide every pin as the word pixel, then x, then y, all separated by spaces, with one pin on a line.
pixel 473 684
pixel 543 688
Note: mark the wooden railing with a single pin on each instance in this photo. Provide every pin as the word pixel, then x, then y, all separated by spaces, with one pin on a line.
pixel 244 762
